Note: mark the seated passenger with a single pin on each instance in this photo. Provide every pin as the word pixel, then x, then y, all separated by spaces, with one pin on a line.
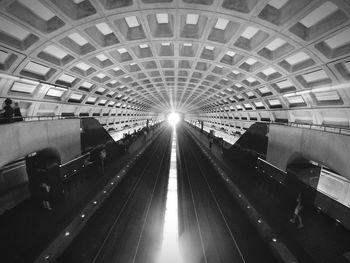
pixel 17 112
pixel 7 113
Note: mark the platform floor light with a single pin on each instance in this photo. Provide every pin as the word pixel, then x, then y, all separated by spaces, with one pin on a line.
pixel 170 252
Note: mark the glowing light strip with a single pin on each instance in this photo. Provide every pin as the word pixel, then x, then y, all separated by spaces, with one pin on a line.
pixel 170 247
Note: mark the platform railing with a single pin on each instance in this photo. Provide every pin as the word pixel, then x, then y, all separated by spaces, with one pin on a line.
pixel 318 127
pixel 129 124
pixel 59 117
pixel 36 118
pixel 325 128
pixel 73 166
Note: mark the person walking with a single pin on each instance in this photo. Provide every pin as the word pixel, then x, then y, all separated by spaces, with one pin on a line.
pixel 297 212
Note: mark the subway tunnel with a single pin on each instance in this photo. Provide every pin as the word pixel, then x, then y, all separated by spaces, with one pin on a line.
pixel 187 131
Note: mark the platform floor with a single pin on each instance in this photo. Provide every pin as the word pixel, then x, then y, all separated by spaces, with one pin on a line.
pixel 27 229
pixel 321 240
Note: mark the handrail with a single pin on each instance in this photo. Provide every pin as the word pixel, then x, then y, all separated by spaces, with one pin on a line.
pixel 318 127
pixel 60 117
pixel 274 166
pixel 75 159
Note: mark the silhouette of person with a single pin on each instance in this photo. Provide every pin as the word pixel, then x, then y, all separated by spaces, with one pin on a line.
pixel 17 112
pixel 7 112
pixel 297 212
pixel 211 140
pixel 45 193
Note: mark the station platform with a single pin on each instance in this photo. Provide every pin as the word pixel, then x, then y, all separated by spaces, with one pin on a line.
pixel 28 228
pixel 321 239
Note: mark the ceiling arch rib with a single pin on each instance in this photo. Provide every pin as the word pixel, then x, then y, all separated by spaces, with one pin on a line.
pixel 233 56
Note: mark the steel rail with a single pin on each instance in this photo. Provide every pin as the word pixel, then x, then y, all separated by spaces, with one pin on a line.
pixel 114 224
pixel 151 199
pixel 184 163
pixel 217 204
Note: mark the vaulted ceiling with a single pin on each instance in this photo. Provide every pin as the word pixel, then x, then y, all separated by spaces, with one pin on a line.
pixel 195 56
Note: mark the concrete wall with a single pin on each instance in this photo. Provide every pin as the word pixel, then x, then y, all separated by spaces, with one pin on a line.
pixel 285 144
pixel 14 187
pixel 22 138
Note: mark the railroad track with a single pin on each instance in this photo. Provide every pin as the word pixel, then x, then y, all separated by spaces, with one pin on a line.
pixel 212 225
pixel 128 226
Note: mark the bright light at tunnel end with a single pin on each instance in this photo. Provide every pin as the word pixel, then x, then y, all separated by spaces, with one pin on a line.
pixel 173 118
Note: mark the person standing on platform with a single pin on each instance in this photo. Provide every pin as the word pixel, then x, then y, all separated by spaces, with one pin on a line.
pixel 86 167
pixel 17 112
pixel 211 140
pixel 222 145
pixel 45 195
pixel 297 212
pixel 7 113
pixel 145 135
pixel 98 156
pixel 101 160
pixel 125 141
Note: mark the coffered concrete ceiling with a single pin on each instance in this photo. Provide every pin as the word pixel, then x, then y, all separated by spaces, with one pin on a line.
pixel 255 59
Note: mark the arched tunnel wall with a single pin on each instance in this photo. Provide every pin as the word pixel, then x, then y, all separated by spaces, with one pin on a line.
pixel 22 138
pixel 287 143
